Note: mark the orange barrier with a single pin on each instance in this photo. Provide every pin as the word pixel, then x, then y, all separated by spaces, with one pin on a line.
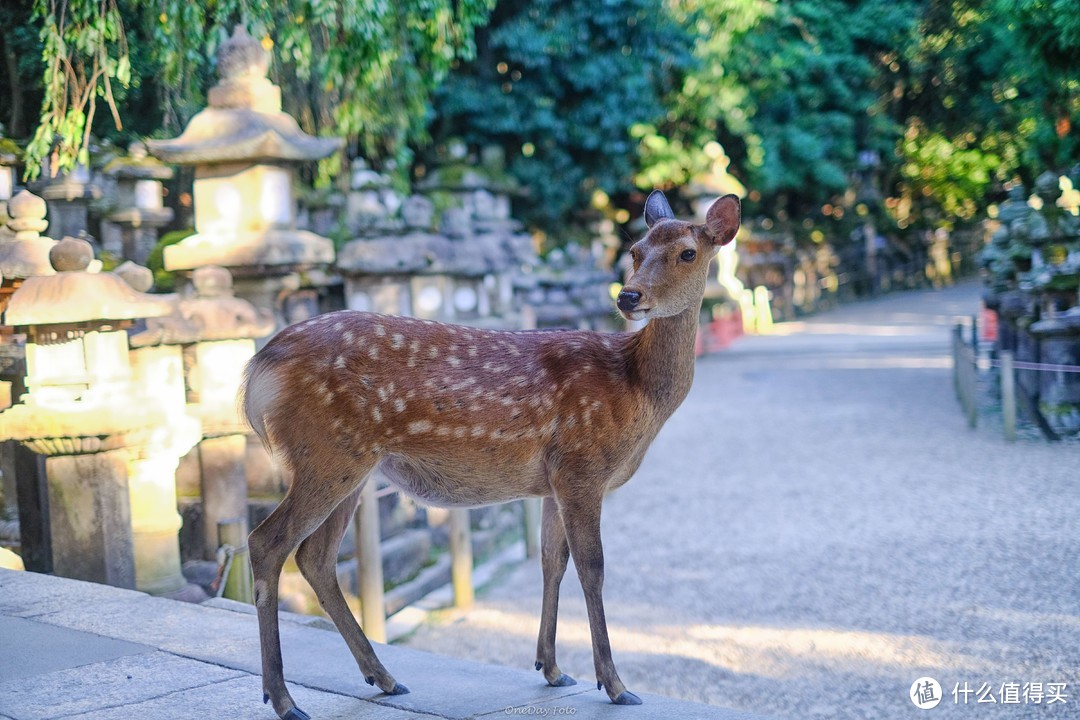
pixel 718 334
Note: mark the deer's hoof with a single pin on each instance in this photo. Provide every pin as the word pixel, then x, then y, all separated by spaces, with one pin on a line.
pixel 398 689
pixel 563 680
pixel 296 714
pixel 539 665
pixel 627 698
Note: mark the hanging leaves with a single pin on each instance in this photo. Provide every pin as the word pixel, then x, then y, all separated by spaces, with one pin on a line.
pixel 84 52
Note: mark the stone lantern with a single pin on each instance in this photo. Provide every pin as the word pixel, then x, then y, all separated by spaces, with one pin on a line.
pixel 214 332
pixel 8 161
pixel 82 408
pixel 69 195
pixel 243 149
pixel 130 228
pixel 24 252
pixel 379 271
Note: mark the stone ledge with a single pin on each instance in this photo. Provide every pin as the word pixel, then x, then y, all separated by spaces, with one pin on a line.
pixel 208 659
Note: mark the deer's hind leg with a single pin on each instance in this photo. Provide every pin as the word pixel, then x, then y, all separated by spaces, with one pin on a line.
pixel 311 498
pixel 554 552
pixel 317 559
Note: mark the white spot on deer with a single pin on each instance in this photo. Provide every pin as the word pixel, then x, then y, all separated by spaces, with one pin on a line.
pixel 519 381
pixel 396 341
pixel 454 361
pixel 373 352
pixel 339 326
pixel 340 362
pixel 496 367
pixel 376 415
pixel 433 352
pixel 451 330
pixel 411 362
pixel 459 432
pixel 442 431
pixel 348 336
pixel 411 394
pixel 507 401
pixel 478 431
pixel 399 405
pixel 513 349
pixel 606 343
pixel 497 435
pixel 380 330
pixel 383 394
pixel 419 426
pixel 473 351
pixel 414 347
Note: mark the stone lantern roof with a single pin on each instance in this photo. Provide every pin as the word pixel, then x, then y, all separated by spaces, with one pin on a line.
pixel 24 251
pixel 72 295
pixel 137 164
pixel 244 121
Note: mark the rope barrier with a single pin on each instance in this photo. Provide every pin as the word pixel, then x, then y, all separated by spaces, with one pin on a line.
pixel 1024 365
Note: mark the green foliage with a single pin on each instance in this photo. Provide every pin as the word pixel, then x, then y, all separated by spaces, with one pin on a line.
pixel 84 51
pixel 165 281
pixel 356 68
pixel 558 84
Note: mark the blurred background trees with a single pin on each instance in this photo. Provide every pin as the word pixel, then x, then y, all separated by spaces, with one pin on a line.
pixel 914 112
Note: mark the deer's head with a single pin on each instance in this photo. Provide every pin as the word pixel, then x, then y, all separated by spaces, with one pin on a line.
pixel 671 262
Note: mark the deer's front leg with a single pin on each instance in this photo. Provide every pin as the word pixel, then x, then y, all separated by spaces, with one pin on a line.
pixel 554 552
pixel 581 518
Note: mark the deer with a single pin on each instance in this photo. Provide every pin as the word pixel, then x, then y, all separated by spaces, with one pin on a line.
pixel 458 416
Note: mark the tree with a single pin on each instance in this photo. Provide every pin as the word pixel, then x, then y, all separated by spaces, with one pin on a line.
pixel 558 84
pixel 360 69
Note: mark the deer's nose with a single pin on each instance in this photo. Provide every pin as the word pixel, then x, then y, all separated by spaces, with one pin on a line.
pixel 628 300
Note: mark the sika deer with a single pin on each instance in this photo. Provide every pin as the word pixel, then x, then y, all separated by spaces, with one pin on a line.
pixel 457 416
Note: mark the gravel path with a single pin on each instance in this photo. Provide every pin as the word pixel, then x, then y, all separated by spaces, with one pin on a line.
pixel 816 528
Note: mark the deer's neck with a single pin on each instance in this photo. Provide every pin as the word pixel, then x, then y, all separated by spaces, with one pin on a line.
pixel 662 356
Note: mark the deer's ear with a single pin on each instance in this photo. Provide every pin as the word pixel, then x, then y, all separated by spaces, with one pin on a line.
pixel 722 220
pixel 657 208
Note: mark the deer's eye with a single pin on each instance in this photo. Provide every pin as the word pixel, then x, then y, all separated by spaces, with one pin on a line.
pixel 688 255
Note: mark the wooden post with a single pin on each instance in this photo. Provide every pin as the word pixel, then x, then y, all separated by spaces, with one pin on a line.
pixel 1008 394
pixel 233 532
pixel 533 514
pixel 971 390
pixel 956 360
pixel 461 561
pixel 369 574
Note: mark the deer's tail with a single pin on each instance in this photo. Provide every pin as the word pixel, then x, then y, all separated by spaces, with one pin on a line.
pixel 259 390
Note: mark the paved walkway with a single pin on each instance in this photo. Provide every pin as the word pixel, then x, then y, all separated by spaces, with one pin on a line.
pixel 816 528
pixel 70 649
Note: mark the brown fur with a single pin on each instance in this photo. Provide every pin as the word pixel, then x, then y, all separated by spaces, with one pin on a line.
pixel 461 416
